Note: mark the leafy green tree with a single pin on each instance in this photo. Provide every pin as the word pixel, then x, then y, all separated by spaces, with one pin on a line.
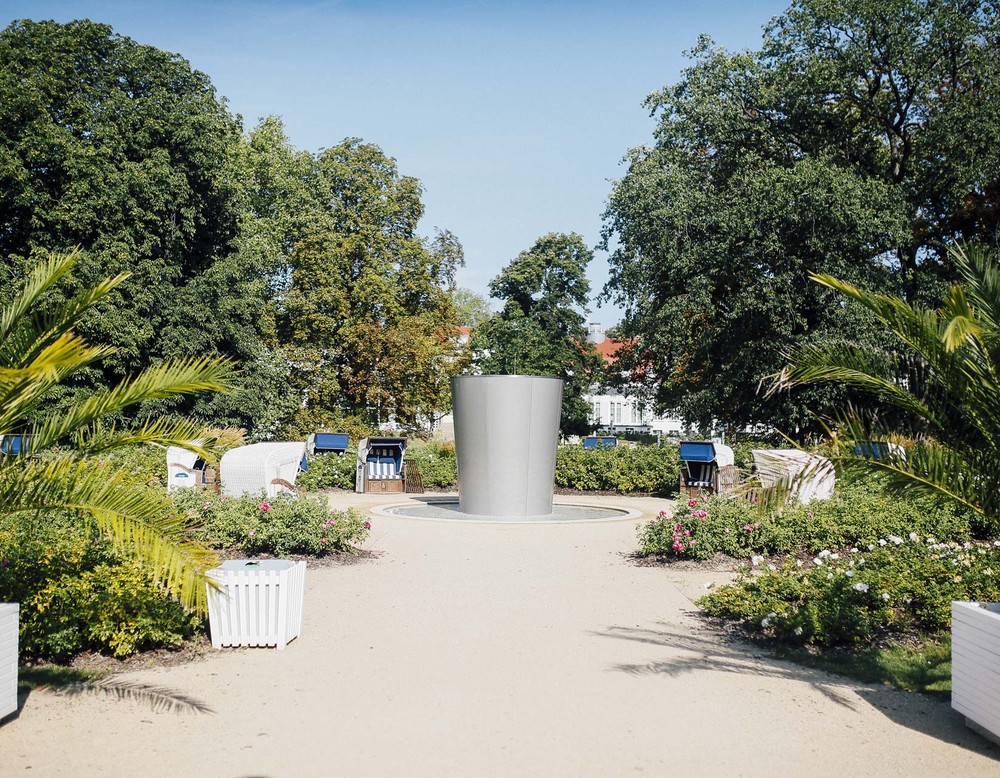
pixel 367 317
pixel 277 209
pixel 938 371
pixel 840 147
pixel 59 468
pixel 471 309
pixel 541 329
pixel 126 152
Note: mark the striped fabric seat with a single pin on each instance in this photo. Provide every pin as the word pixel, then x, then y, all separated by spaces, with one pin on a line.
pixel 382 470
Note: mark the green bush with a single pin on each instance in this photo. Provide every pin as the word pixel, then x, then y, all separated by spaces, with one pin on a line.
pixel 77 595
pixel 329 471
pixel 857 515
pixel 700 528
pixel 437 462
pixel 897 585
pixel 114 607
pixel 282 525
pixel 622 469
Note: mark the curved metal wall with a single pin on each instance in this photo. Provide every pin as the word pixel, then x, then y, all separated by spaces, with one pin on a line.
pixel 506 434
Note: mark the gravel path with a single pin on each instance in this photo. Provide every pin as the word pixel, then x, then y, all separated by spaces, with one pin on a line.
pixel 496 649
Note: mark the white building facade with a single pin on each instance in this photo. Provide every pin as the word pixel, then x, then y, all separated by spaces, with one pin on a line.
pixel 615 413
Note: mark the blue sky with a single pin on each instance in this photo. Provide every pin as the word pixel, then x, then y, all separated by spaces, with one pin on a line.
pixel 513 115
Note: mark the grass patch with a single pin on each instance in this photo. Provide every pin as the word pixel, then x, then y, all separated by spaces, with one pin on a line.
pixel 42 676
pixel 924 667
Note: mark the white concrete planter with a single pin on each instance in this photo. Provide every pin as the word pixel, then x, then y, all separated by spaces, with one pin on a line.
pixel 259 602
pixel 8 657
pixel 975 665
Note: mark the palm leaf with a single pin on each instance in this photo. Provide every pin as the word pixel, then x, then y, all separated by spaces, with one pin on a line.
pixel 942 375
pixel 38 350
pixel 137 520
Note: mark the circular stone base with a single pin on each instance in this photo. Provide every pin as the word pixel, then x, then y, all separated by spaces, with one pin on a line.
pixel 448 510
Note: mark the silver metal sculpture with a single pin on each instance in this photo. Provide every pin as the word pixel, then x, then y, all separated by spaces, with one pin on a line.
pixel 506 435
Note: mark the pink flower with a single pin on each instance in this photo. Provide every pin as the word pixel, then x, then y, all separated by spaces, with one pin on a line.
pixel 699 514
pixel 748 527
pixel 687 533
pixel 368 525
pixel 691 544
pixel 265 506
pixel 323 541
pixel 662 514
pixel 678 546
pixel 677 528
pixel 251 533
pixel 692 503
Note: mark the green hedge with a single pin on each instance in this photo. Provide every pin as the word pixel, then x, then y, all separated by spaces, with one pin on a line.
pixel 437 462
pixel 622 469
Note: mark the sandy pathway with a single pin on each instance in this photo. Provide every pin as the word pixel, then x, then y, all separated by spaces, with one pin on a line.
pixel 475 649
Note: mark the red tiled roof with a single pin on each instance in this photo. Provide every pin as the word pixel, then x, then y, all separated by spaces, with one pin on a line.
pixel 608 348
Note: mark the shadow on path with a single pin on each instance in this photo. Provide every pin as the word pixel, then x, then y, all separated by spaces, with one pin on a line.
pixel 158 698
pixel 711 652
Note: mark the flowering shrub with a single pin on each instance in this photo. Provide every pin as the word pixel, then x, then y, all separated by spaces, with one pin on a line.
pixel 700 528
pixel 857 515
pixel 895 585
pixel 329 471
pixel 281 525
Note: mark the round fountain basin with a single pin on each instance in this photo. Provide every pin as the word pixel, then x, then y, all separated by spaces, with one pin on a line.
pixel 450 510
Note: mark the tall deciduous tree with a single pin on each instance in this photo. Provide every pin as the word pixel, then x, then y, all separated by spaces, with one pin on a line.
pixel 123 150
pixel 541 329
pixel 471 309
pixel 842 147
pixel 367 317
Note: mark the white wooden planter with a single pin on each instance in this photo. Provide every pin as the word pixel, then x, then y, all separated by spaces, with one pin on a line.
pixel 259 603
pixel 8 658
pixel 975 665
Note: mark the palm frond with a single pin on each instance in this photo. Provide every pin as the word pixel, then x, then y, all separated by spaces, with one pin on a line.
pixel 946 381
pixel 137 520
pixel 170 379
pixel 184 433
pixel 26 332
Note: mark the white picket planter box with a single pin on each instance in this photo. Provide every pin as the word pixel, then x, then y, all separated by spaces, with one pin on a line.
pixel 259 602
pixel 8 657
pixel 975 665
